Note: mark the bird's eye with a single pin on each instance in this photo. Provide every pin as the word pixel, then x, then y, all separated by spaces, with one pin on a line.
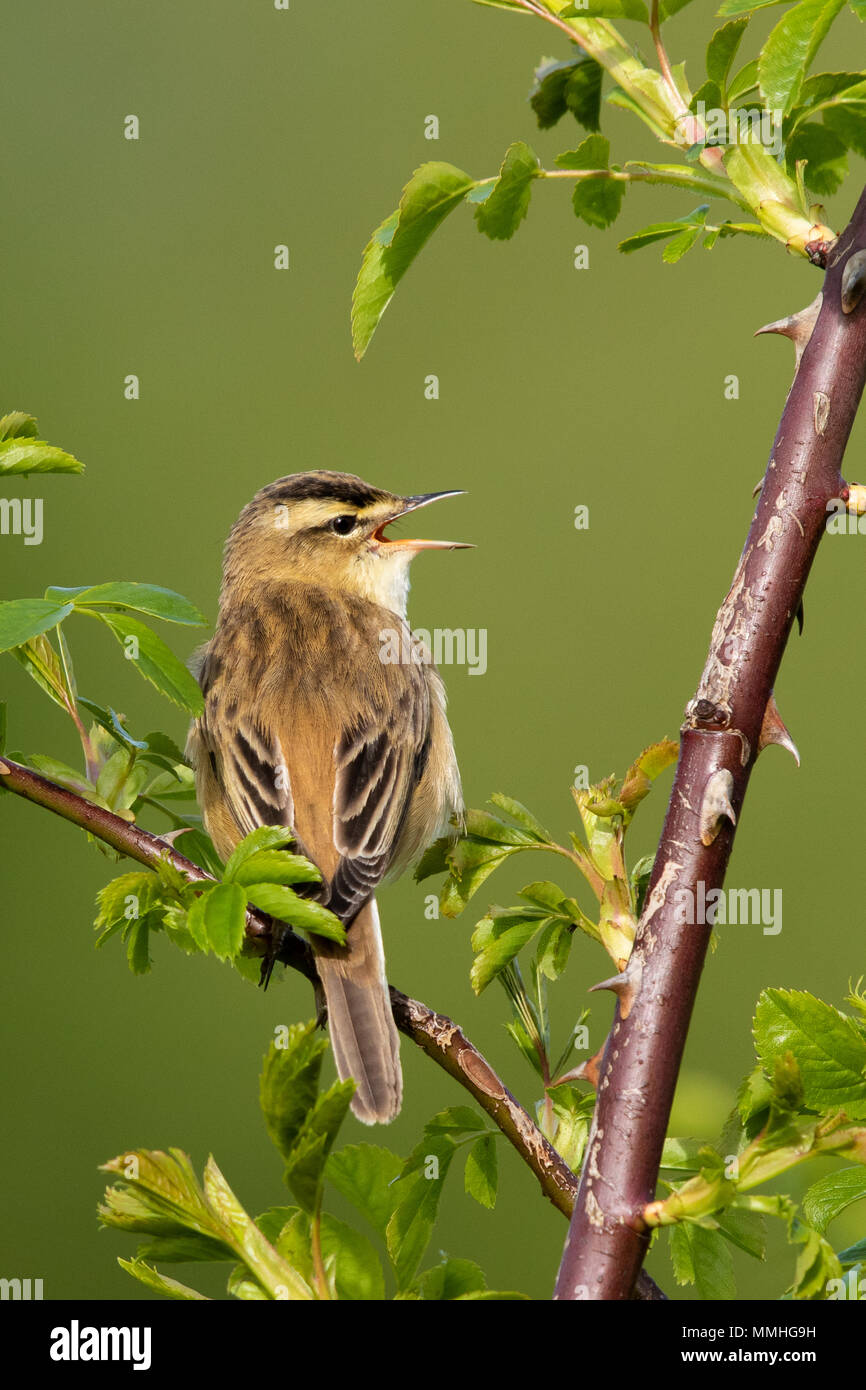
pixel 343 525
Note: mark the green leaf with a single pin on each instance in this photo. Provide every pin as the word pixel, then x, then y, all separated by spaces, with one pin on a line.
pixel 824 153
pixel 853 1254
pixel 701 1256
pixel 224 919
pixel 676 249
pixel 159 1283
pixel 301 913
pixel 573 1110
pixel 24 455
pixel 357 1269
pixel 305 1165
pixel 18 425
pixel 731 7
pixel 498 939
pixel 451 1279
pixel 433 191
pixel 554 949
pixel 501 213
pixel 610 9
pixel 829 1048
pixel 816 1263
pixel 276 866
pixel 745 1229
pixel 42 663
pixel 264 837
pixel 745 81
pixel 411 1226
pixel 788 52
pixel 830 1195
pixel 481 1175
pixel 140 598
pixel 23 618
pixel 154 660
pixel 661 231
pixel 525 819
pixel 848 124
pixel 289 1084
pixel 137 952
pixel 561 87
pixel 722 50
pixel 596 200
pixel 366 1176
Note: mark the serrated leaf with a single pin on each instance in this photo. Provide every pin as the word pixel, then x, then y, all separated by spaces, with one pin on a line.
pixel 481 1175
pixel 789 50
pixel 225 919
pixel 18 425
pixel 702 1257
pixel 503 937
pixel 43 665
pixel 499 216
pixel 452 1279
pixel 596 200
pixel 411 1225
pixel 735 7
pixel 289 1084
pixel 276 866
pixel 570 86
pixel 365 1175
pixel 358 1274
pixel 661 231
pixel 722 49
pixel 160 1283
pixel 140 598
pixel 746 80
pixel 745 1229
pixel 154 660
pixel 525 819
pixel 264 837
pixel 24 618
pixel 830 1195
pixel 305 1164
pixel 824 153
pixel 848 124
pixel 304 914
pixel 24 455
pixel 433 191
pixel 827 1045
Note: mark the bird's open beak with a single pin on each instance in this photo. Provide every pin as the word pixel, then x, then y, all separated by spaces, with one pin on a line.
pixel 411 504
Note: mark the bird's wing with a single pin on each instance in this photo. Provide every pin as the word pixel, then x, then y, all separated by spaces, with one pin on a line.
pixel 379 761
pixel 247 762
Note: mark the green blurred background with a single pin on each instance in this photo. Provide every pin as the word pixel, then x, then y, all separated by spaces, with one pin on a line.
pixel 557 387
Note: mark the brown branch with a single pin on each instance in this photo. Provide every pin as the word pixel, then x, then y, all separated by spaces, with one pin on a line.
pixel 439 1037
pixel 721 739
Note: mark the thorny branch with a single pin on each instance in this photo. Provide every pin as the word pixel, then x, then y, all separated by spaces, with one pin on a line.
pixel 437 1036
pixel 730 719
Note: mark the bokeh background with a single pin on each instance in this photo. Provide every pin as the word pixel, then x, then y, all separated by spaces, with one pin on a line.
pixel 557 387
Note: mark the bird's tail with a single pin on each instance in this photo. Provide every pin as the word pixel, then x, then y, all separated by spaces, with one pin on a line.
pixel 363 1033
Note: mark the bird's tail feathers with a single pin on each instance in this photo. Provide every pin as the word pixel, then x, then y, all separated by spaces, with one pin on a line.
pixel 363 1033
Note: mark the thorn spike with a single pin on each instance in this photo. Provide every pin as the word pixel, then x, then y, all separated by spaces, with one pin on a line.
pixel 798 327
pixel 773 731
pixel 716 804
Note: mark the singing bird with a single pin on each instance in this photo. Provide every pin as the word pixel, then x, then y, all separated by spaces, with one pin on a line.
pixel 310 722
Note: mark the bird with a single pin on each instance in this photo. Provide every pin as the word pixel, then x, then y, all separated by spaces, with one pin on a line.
pixel 310 723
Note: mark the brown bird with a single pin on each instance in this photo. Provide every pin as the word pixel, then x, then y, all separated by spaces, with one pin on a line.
pixel 310 722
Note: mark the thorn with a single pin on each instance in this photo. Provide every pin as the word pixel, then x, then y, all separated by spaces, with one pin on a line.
pixel 773 731
pixel 171 835
pixel 759 487
pixel 716 804
pixel 801 617
pixel 797 327
pixel 853 281
pixel 4 769
pixel 622 987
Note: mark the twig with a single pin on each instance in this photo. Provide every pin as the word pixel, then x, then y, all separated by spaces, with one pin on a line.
pixel 722 736
pixel 439 1037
